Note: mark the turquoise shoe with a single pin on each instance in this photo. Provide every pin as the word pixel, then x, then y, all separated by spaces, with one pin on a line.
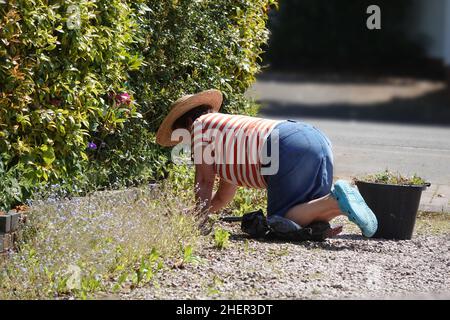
pixel 353 205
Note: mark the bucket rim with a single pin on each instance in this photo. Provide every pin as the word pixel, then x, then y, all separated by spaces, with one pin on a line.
pixel 419 186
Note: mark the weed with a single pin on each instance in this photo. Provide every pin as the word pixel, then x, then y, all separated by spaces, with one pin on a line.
pixel 432 223
pixel 247 200
pixel 388 177
pixel 221 238
pixel 214 287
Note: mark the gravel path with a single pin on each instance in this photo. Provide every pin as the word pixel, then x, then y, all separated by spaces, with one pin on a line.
pixel 345 267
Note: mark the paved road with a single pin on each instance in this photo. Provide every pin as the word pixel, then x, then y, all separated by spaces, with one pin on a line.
pixel 366 142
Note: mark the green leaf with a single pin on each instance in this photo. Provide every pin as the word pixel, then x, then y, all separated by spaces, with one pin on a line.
pixel 48 154
pixel 84 156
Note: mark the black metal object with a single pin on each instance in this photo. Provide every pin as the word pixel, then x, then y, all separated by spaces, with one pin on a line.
pixel 231 219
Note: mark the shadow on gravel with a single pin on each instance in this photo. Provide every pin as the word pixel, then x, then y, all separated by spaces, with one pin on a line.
pixel 325 245
pixel 242 237
pixel 350 237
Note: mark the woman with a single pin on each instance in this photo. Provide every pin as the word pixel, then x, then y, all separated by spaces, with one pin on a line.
pixel 292 160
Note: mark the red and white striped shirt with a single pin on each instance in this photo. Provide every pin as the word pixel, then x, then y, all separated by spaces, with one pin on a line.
pixel 234 145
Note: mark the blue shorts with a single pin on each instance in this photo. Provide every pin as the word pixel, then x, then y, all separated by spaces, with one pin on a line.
pixel 305 168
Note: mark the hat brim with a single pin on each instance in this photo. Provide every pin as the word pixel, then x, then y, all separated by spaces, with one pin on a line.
pixel 212 98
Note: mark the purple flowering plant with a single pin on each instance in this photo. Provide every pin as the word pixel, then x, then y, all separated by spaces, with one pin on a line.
pixel 92 146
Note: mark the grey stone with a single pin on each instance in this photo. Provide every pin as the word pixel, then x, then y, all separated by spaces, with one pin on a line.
pixel 15 217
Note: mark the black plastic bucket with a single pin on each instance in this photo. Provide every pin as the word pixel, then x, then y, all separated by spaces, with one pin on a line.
pixel 395 207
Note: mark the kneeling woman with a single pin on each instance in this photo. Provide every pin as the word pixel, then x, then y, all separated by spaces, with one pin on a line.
pixel 299 177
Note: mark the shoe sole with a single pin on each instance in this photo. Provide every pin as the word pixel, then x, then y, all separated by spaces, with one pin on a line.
pixel 352 203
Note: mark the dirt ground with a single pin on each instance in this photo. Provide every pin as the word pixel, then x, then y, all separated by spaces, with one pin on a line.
pixel 346 267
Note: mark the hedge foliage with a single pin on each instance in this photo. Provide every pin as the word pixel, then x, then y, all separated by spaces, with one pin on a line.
pixel 198 45
pixel 84 84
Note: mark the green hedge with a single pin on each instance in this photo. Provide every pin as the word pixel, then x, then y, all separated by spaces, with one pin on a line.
pixel 198 45
pixel 80 99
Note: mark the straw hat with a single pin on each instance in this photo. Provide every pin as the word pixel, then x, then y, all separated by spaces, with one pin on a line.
pixel 186 103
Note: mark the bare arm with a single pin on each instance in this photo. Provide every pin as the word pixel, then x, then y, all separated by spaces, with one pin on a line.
pixel 204 182
pixel 223 196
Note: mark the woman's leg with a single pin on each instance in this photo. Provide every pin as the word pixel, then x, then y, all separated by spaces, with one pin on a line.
pixel 306 172
pixel 321 209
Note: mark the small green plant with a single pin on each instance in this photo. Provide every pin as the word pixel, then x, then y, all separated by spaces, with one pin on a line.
pixel 189 256
pixel 247 200
pixel 388 177
pixel 221 238
pixel 213 287
pixel 147 268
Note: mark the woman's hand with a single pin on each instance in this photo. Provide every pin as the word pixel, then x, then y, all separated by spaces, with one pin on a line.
pixel 204 183
pixel 223 196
